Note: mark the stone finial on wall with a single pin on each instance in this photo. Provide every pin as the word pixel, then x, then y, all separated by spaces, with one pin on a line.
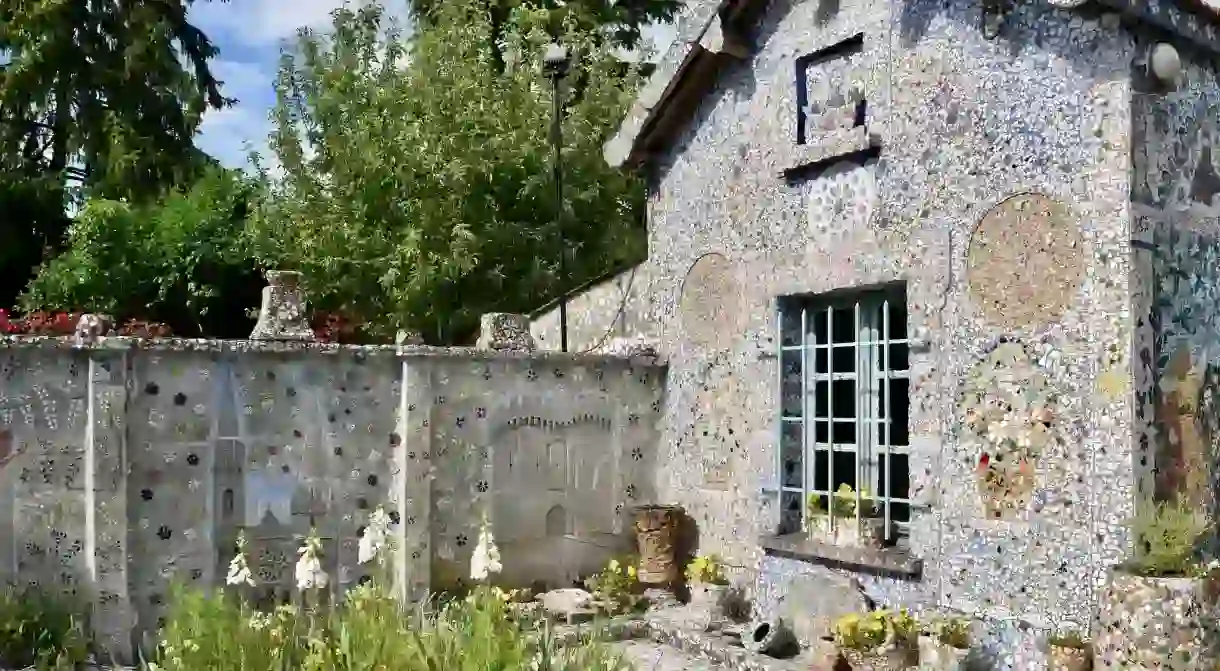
pixel 504 331
pixel 283 314
pixel 90 327
pixel 408 338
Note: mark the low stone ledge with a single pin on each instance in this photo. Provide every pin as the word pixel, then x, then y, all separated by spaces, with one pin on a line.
pixel 892 562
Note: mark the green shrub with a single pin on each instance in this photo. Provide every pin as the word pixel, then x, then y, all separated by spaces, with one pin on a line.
pixel 41 631
pixel 1167 538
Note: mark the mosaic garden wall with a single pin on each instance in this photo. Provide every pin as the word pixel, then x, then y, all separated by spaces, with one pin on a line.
pixel 125 468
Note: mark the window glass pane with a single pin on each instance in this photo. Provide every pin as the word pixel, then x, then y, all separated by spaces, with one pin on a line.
pixel 843 327
pixel 790 325
pixel 843 394
pixel 844 359
pixel 896 483
pixel 817 320
pixel 844 470
pixel 821 431
pixel 790 509
pixel 843 433
pixel 790 391
pixel 821 398
pixel 820 357
pixel 898 318
pixel 791 449
pixel 899 410
pixel 899 359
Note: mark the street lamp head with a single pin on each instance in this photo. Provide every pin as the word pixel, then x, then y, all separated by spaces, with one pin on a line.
pixel 556 60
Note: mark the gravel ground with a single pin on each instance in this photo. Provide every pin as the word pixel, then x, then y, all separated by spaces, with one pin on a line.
pixel 651 656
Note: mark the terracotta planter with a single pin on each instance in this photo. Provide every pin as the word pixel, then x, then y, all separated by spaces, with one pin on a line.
pixel 1183 612
pixel 1069 659
pixel 656 530
pixel 937 656
pixel 891 659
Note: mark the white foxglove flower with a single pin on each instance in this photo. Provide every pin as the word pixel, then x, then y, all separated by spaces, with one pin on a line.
pixel 309 573
pixel 374 539
pixel 485 561
pixel 239 568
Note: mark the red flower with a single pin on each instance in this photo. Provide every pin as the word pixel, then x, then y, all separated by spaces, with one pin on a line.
pixel 984 462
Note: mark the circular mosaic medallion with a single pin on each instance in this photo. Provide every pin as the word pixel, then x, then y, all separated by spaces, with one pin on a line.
pixel 710 302
pixel 1026 262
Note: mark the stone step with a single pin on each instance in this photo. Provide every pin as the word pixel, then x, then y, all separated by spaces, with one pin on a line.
pixel 651 656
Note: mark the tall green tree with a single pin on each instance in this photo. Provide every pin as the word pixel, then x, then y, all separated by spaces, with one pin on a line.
pixel 415 189
pixel 107 92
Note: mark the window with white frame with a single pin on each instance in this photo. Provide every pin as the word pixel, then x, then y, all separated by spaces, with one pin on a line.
pixel 844 409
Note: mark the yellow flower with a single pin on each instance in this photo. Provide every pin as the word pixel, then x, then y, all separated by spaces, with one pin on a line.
pixel 613 565
pixel 631 572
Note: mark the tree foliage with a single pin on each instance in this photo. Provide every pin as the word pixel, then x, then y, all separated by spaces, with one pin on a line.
pixel 416 189
pixel 182 260
pixel 619 22
pixel 108 92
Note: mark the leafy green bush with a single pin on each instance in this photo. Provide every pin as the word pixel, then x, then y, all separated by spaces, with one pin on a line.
pixel 1167 537
pixel 39 630
pixel 182 260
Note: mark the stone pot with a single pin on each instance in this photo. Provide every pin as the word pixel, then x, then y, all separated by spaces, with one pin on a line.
pixel 896 658
pixel 1062 658
pixel 656 531
pixel 1162 623
pixel 707 596
pixel 937 656
pixel 820 529
pixel 706 605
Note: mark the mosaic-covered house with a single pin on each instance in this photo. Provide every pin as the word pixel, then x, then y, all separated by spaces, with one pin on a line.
pixel 960 254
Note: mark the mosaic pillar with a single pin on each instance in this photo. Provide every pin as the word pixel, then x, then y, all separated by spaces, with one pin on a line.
pixel 106 505
pixel 1168 624
pixel 411 495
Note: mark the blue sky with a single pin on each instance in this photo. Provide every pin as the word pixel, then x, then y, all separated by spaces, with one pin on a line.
pixel 250 34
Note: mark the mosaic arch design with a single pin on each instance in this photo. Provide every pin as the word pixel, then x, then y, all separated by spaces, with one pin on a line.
pixel 711 302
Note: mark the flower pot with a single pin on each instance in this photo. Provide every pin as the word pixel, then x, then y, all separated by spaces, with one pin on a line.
pixel 820 530
pixel 1180 609
pixel 1069 659
pixel 892 658
pixel 937 656
pixel 656 529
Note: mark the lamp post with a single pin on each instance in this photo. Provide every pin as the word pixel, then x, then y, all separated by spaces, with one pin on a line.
pixel 555 65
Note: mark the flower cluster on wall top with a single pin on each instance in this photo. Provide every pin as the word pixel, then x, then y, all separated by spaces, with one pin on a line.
pixel 1009 410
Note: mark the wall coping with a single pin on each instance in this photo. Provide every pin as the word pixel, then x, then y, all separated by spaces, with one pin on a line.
pixel 217 346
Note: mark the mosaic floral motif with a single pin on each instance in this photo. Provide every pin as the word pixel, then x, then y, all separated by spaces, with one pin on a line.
pixel 1009 410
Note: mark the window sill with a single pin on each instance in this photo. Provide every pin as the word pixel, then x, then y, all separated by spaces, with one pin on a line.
pixel 890 562
pixel 828 146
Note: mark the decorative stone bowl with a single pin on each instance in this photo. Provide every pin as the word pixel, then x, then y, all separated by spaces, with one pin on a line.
pixel 1162 623
pixel 707 604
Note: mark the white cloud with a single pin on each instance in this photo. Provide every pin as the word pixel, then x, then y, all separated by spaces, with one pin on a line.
pixel 258 23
